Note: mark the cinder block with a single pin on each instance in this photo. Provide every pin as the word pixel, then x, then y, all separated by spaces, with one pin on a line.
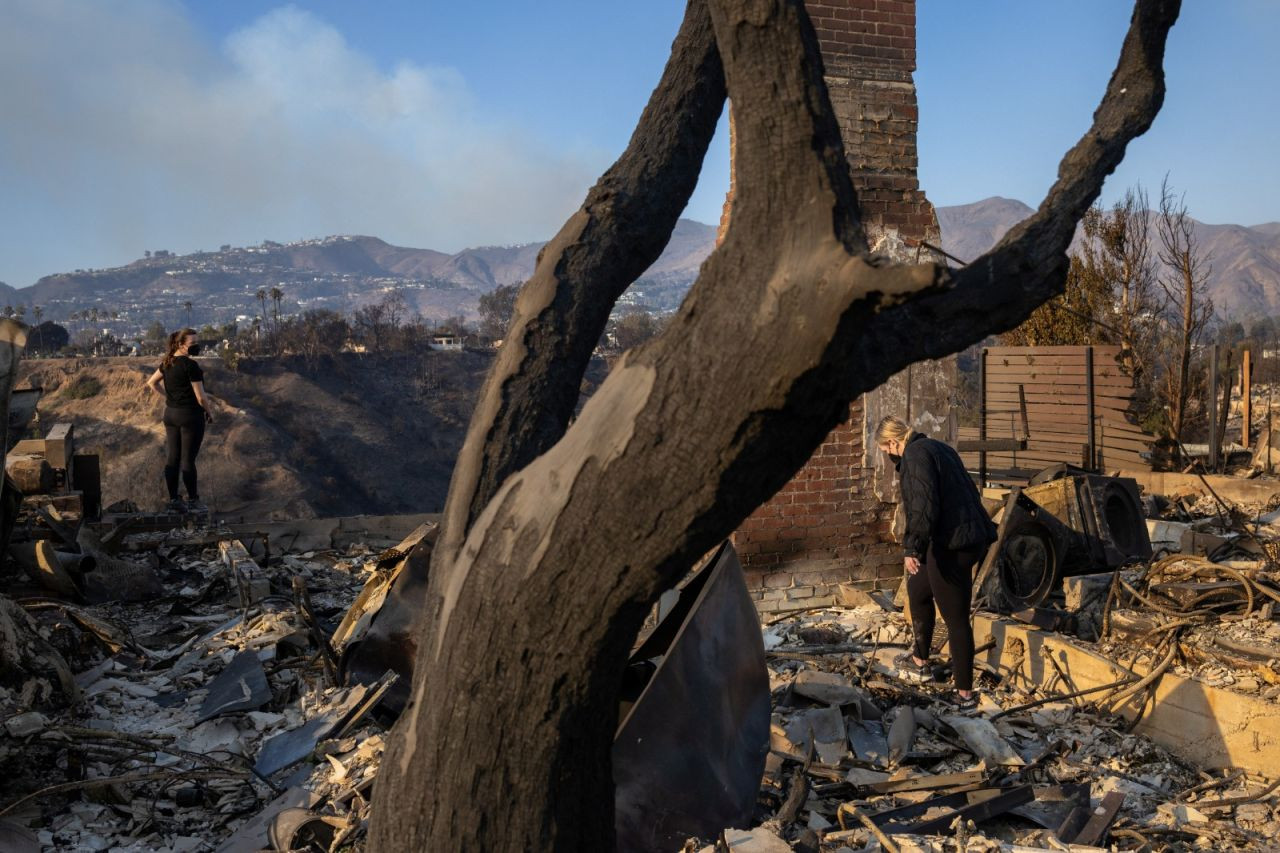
pixel 246 576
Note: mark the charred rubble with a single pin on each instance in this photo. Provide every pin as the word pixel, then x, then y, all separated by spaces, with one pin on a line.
pixel 212 703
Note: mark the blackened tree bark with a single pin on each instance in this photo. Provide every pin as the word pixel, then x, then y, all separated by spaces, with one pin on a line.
pixel 556 538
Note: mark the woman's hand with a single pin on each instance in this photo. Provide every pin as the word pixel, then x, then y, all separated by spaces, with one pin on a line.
pixel 911 564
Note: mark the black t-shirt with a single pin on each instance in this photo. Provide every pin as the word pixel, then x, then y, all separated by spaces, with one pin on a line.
pixel 178 393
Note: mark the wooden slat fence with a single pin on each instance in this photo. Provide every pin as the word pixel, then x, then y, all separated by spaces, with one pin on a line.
pixel 1061 392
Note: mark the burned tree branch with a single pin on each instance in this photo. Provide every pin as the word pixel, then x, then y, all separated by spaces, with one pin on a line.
pixel 621 229
pixel 1000 289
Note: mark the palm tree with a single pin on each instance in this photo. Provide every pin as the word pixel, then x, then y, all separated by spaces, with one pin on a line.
pixel 187 305
pixel 21 311
pixel 262 297
pixel 276 295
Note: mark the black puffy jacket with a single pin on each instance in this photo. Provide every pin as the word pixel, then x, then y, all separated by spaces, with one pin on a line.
pixel 941 502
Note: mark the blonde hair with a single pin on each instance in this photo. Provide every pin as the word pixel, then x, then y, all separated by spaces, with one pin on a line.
pixel 892 428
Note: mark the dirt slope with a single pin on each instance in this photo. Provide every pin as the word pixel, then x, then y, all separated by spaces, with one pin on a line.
pixel 355 434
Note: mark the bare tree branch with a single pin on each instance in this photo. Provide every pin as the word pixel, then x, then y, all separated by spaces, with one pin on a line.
pixel 1187 306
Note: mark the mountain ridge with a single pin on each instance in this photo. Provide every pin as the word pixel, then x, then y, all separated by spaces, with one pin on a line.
pixel 344 272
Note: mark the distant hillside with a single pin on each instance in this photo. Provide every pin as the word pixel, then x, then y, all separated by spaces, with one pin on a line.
pixel 1245 278
pixel 337 273
pixel 968 230
pixel 289 439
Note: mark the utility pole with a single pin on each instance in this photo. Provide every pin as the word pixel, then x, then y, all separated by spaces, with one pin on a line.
pixel 1246 389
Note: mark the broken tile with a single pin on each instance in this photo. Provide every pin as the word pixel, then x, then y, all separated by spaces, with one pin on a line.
pixel 758 840
pixel 242 686
pixel 824 728
pixel 985 742
pixel 826 687
pixel 868 742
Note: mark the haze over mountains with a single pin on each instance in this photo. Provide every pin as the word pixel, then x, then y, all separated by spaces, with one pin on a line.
pixel 341 273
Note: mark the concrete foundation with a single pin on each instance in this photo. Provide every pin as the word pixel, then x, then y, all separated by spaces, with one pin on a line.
pixel 1232 489
pixel 1208 726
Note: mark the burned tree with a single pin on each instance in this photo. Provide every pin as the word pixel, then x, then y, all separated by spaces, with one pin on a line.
pixel 1188 308
pixel 556 538
pixel 1110 294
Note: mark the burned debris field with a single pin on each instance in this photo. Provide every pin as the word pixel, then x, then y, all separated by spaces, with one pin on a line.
pixel 211 705
pixel 609 575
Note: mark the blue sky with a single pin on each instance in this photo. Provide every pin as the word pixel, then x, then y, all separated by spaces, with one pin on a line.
pixel 148 124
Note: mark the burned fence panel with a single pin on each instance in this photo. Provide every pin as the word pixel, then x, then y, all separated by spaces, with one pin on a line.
pixel 689 754
pixel 1052 405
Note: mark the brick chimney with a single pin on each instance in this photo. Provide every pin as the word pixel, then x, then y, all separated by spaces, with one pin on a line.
pixel 832 523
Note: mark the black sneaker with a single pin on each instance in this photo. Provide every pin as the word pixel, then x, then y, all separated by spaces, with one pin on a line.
pixel 961 703
pixel 175 505
pixel 909 670
pixel 196 505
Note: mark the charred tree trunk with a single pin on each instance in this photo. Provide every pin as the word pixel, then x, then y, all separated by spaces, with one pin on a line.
pixel 1184 361
pixel 556 540
pixel 1183 284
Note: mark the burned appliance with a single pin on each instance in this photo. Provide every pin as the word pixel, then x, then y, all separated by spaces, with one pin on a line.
pixel 1064 524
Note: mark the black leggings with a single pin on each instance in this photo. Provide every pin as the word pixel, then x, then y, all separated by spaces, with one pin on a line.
pixel 183 432
pixel 946 577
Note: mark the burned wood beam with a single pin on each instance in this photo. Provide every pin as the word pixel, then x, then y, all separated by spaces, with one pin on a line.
pixel 1095 829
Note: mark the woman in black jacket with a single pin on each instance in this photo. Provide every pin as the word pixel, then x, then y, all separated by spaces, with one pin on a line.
pixel 948 532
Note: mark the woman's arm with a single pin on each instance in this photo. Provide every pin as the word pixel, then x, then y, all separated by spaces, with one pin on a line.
pixel 154 382
pixel 920 500
pixel 201 398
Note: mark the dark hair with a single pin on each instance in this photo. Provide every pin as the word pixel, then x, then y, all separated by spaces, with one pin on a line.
pixel 175 341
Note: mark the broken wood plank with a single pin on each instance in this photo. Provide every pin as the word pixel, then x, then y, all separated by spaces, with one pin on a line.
pixel 929 783
pixel 985 809
pixel 1100 823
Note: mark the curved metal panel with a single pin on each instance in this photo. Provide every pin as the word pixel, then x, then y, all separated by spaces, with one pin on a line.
pixel 688 758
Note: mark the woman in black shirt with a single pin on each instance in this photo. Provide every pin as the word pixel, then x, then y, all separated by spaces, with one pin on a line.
pixel 186 412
